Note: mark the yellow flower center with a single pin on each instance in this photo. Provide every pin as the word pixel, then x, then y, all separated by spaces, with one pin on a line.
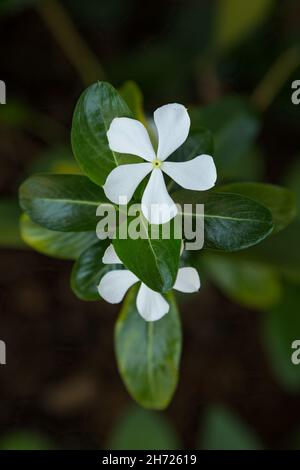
pixel 156 163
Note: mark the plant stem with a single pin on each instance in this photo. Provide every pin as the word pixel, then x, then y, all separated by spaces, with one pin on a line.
pixel 74 46
pixel 276 77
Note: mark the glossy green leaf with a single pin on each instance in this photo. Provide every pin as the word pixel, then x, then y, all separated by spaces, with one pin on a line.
pixel 223 430
pixel 10 230
pixel 281 326
pixel 249 283
pixel 64 245
pixel 236 19
pixel 88 271
pixel 280 201
pixel 95 110
pixel 156 433
pixel 231 222
pixel 148 353
pixel 65 203
pixel 153 261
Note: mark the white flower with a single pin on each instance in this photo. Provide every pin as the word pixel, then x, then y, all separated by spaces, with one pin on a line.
pixel 129 136
pixel 151 305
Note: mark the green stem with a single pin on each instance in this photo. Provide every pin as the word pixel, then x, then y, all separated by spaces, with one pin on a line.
pixel 276 77
pixel 75 48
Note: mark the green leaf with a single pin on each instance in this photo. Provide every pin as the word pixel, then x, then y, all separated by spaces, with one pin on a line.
pixel 157 434
pixel 280 327
pixel 280 201
pixel 235 127
pixel 154 261
pixel 95 110
pixel 231 222
pixel 249 283
pixel 65 203
pixel 64 245
pixel 132 95
pixel 10 230
pixel 225 431
pixel 88 271
pixel 25 440
pixel 148 353
pixel 236 19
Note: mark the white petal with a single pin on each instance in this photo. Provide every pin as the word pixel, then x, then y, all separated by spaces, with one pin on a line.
pixel 127 135
pixel 110 256
pixel 114 285
pixel 157 206
pixel 151 305
pixel 198 174
pixel 187 280
pixel 123 180
pixel 173 125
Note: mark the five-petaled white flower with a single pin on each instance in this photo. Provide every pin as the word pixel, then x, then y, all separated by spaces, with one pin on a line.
pixel 150 304
pixel 129 136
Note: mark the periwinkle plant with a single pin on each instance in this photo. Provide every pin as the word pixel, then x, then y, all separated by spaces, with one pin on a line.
pixel 111 147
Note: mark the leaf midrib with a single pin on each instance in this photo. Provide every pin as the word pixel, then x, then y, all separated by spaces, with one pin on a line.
pixel 212 216
pixel 152 249
pixel 70 201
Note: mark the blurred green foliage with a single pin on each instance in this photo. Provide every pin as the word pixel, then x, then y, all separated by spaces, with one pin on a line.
pixel 143 430
pixel 223 430
pixel 25 440
pixel 280 327
pixel 236 19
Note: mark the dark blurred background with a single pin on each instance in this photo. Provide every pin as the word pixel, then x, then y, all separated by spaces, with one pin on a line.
pixel 238 389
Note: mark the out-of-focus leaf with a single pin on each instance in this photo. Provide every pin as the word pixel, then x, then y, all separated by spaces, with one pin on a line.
pixel 153 260
pixel 235 127
pixel 65 245
pixel 88 271
pixel 65 203
pixel 235 19
pixel 281 326
pixel 133 96
pixel 232 222
pixel 24 440
pixel 20 116
pixel 13 6
pixel 57 160
pixel 9 218
pixel 223 430
pixel 292 180
pixel 94 112
pixel 280 251
pixel 148 353
pixel 143 430
pixel 281 202
pixel 251 284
